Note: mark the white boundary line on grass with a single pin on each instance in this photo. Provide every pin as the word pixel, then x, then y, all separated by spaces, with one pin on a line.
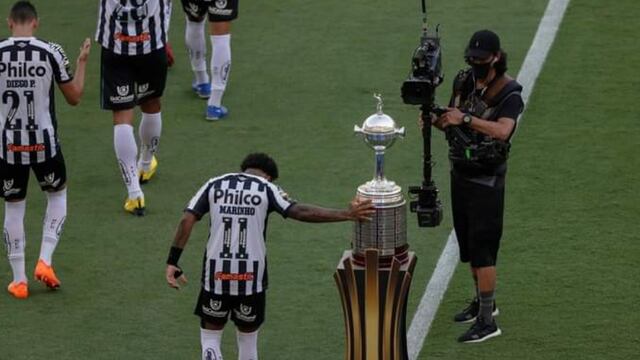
pixel 437 286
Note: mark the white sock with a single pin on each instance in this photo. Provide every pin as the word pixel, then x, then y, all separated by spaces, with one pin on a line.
pixel 124 143
pixel 53 222
pixel 14 237
pixel 210 340
pixel 197 48
pixel 220 67
pixel 247 345
pixel 149 132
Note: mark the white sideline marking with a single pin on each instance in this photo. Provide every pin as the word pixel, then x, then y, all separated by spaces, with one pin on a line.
pixel 448 260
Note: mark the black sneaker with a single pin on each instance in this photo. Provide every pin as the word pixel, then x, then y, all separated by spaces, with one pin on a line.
pixel 480 332
pixel 470 313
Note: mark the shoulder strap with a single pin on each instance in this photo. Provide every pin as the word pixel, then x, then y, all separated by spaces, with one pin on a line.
pixel 458 86
pixel 507 88
pixel 501 89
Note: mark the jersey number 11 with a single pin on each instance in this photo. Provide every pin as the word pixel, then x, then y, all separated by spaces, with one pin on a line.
pixel 242 239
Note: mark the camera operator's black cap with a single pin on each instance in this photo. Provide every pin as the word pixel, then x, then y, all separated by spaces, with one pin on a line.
pixel 482 44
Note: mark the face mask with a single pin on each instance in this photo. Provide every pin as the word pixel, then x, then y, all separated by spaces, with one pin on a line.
pixel 481 71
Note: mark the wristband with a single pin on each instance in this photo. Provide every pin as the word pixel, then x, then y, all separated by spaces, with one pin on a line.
pixel 174 256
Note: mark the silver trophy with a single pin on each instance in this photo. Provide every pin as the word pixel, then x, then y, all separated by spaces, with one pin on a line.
pixel 387 231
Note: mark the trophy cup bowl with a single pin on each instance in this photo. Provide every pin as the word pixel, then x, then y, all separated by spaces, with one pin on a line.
pixel 387 230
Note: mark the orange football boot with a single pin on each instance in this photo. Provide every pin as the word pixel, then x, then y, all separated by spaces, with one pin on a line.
pixel 18 290
pixel 46 274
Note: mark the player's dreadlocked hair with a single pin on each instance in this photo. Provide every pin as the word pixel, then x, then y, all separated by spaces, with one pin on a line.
pixel 262 162
pixel 23 12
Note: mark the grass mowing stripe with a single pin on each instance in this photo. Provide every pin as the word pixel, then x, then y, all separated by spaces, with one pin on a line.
pixel 439 281
pixel 432 297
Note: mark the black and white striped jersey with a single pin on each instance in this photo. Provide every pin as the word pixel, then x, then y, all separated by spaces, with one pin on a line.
pixel 29 67
pixel 133 27
pixel 238 205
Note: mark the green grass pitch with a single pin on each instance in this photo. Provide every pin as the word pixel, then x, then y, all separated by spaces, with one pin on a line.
pixel 303 74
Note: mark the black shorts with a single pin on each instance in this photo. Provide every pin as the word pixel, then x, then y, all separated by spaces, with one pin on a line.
pixel 477 218
pixel 51 174
pixel 218 10
pixel 127 81
pixel 245 311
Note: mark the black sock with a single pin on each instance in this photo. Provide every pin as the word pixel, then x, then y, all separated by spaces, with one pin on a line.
pixel 486 306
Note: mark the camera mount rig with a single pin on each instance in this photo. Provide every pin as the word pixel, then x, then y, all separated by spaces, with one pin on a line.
pixel 419 89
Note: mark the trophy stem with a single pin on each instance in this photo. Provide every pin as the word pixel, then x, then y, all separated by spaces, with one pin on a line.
pixel 379 174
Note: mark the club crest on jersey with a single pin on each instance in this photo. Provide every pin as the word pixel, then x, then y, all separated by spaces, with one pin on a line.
pixel 123 90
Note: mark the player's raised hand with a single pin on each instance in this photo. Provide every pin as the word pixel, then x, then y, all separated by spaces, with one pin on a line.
pixel 361 209
pixel 175 277
pixel 85 49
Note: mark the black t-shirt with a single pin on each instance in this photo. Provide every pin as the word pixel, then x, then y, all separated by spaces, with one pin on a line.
pixel 508 103
pixel 511 108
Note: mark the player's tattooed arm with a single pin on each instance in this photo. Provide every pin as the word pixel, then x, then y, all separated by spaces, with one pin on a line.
pixel 74 89
pixel 358 210
pixel 184 229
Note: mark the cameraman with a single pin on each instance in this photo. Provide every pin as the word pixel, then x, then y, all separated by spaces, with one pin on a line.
pixel 479 124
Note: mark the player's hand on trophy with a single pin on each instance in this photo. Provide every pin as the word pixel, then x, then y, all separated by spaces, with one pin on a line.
pixel 85 49
pixel 175 277
pixel 361 209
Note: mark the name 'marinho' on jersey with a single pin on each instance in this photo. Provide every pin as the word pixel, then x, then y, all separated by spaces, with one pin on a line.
pixel 238 205
pixel 29 67
pixel 133 27
pixel 236 197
